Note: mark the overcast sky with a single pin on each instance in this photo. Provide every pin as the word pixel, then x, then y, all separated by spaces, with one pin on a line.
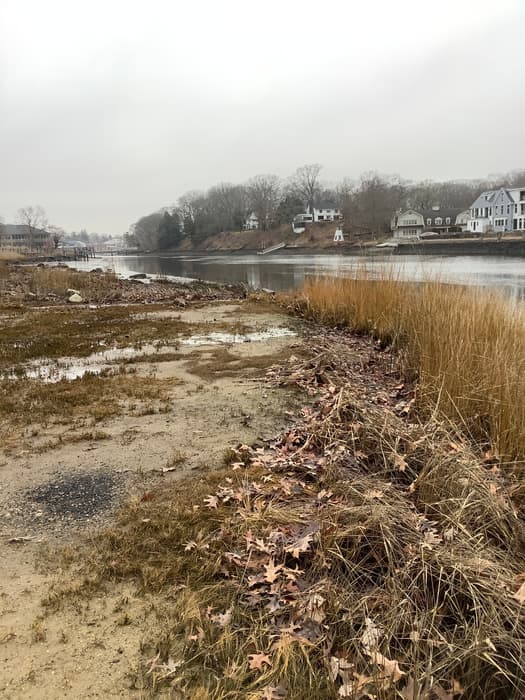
pixel 111 109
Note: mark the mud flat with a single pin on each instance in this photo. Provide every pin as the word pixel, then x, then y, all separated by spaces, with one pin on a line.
pixel 99 404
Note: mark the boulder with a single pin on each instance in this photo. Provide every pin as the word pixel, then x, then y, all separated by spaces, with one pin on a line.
pixel 139 276
pixel 75 299
pixel 72 291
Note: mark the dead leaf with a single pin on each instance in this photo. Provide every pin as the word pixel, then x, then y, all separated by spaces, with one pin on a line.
pixel 400 462
pixel 374 493
pixel 300 545
pixel 371 636
pixel 223 619
pixel 431 538
pixel 211 501
pixel 271 571
pixel 232 669
pixel 390 666
pixel 520 594
pixel 448 534
pixel 257 662
pixel 197 637
pixel 274 692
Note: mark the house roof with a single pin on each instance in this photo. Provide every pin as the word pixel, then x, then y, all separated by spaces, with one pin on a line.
pixel 325 204
pixel 21 229
pixel 443 213
pixel 488 197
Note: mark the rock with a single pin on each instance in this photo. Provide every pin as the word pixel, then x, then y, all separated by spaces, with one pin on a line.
pixel 75 299
pixel 72 291
pixel 139 276
pixel 97 269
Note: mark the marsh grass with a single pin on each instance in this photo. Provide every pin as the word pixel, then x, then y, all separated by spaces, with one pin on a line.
pixel 26 401
pixel 65 332
pixel 56 280
pixel 465 345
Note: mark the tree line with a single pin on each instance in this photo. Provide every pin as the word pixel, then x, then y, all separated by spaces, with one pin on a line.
pixel 367 204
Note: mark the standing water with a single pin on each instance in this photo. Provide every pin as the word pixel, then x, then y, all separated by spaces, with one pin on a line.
pixel 283 272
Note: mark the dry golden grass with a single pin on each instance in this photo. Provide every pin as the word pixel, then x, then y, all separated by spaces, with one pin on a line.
pixel 465 345
pixel 10 255
pixel 56 280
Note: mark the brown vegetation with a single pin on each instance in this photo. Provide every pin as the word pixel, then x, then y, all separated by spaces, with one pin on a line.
pixel 364 554
pixel 465 345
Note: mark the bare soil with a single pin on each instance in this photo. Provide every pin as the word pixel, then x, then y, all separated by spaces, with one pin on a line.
pixel 57 486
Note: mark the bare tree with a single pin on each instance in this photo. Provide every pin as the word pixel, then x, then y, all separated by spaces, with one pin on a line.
pixel 57 234
pixel 35 219
pixel 263 193
pixel 305 184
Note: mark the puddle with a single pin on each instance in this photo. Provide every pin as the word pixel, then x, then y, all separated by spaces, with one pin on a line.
pixel 218 338
pixel 71 368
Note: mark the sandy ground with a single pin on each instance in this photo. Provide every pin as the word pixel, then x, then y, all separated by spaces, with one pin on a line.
pixel 91 650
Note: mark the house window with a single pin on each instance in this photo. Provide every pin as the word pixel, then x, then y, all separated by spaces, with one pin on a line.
pixel 429 222
pixel 438 220
pixel 522 195
pixel 447 220
pixel 320 218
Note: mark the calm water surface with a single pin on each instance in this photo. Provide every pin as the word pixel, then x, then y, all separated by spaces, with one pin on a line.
pixel 285 272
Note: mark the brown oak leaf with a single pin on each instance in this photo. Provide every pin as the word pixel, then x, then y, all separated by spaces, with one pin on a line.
pixel 258 661
pixel 211 501
pixel 272 571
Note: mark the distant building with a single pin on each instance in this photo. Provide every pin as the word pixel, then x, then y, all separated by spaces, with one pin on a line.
pixel 21 236
pixel 338 235
pixel 501 211
pixel 325 211
pixel 411 223
pixel 251 223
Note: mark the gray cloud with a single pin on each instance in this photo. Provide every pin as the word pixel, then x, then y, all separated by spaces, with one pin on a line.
pixel 114 110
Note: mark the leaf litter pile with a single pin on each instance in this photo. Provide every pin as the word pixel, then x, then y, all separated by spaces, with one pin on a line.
pixel 365 553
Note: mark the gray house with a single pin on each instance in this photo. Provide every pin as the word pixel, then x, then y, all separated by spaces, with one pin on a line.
pixel 500 210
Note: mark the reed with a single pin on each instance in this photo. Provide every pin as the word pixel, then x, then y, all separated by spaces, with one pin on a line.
pixel 465 345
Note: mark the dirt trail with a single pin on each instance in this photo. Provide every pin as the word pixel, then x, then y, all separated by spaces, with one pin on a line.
pixel 56 495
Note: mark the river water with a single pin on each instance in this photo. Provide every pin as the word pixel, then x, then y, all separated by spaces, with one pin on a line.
pixel 282 272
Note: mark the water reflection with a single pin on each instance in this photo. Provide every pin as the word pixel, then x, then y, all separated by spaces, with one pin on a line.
pixel 285 272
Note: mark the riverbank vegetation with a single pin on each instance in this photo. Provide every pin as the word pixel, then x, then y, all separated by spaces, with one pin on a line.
pixel 464 345
pixel 368 551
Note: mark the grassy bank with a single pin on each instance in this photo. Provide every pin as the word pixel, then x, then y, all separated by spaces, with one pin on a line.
pixel 363 554
pixel 465 345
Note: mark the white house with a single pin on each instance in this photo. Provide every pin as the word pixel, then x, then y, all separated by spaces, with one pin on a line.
pixel 324 212
pixel 251 223
pixel 500 210
pixel 410 224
